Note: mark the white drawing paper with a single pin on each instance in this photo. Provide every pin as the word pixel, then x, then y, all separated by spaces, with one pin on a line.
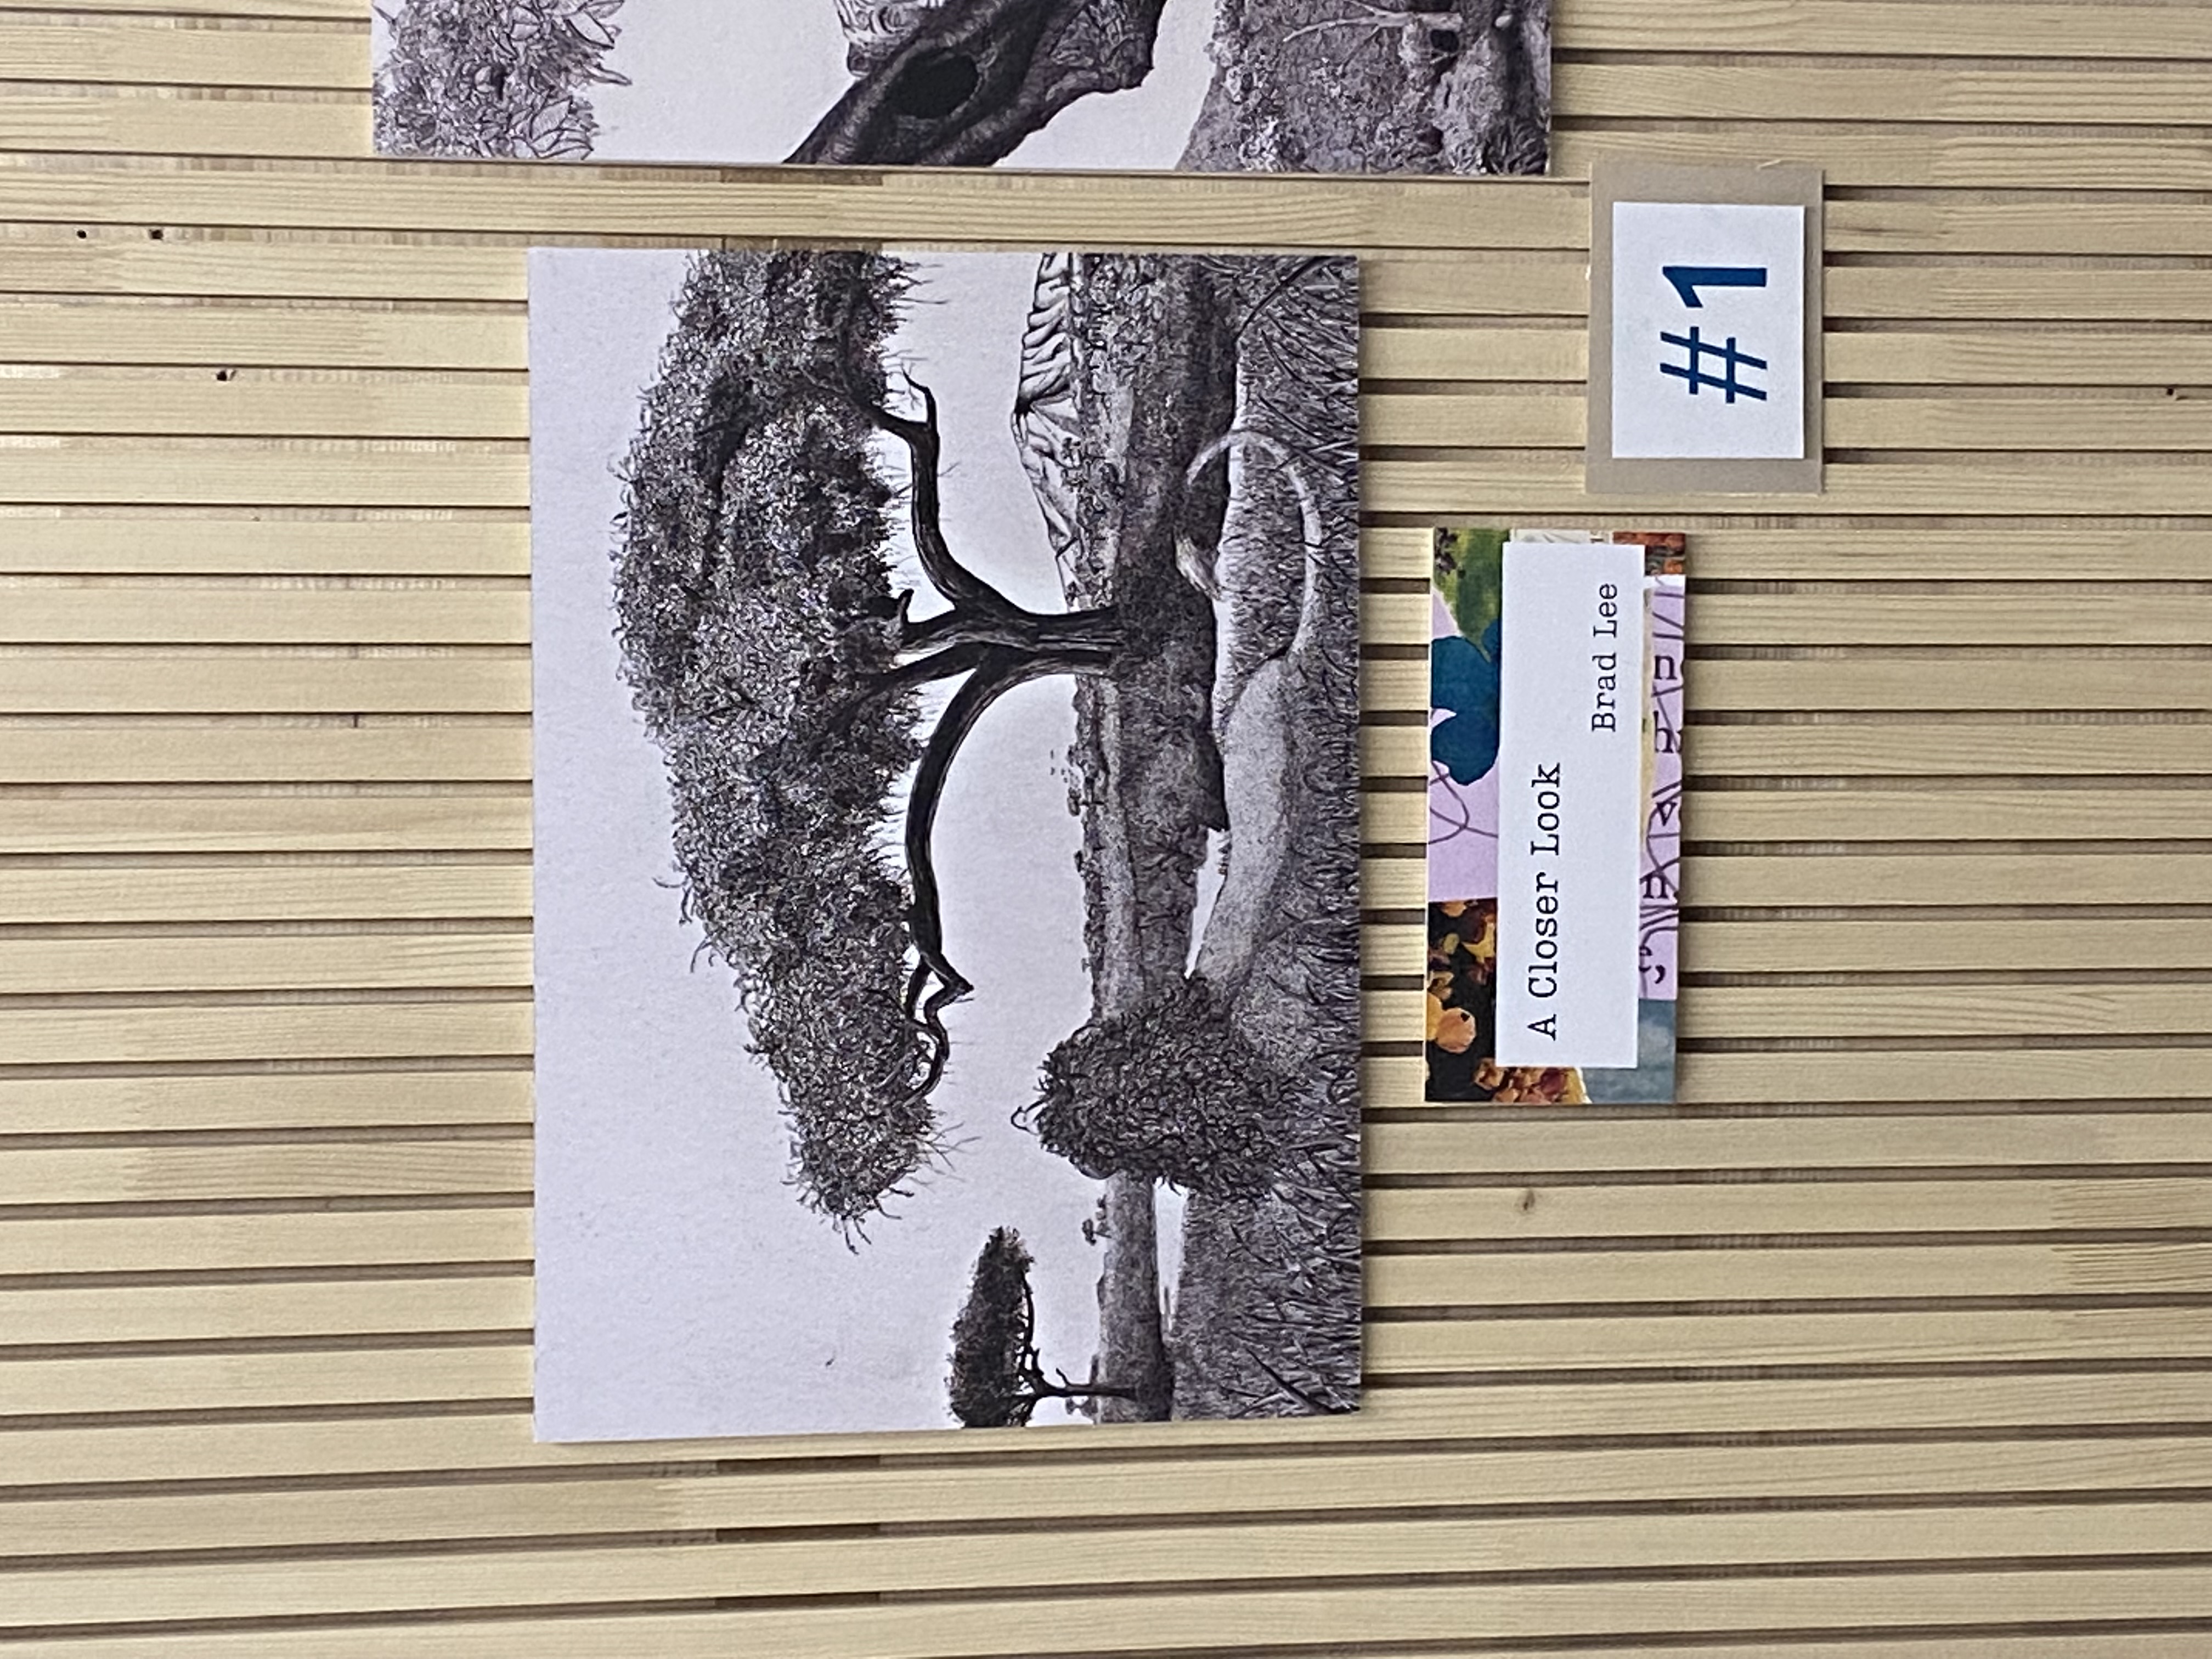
pixel 1708 331
pixel 947 839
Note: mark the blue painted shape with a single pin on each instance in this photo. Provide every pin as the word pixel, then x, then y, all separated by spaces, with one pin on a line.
pixel 1463 682
pixel 1688 279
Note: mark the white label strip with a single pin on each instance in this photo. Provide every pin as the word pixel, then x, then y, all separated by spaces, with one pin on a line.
pixel 1569 786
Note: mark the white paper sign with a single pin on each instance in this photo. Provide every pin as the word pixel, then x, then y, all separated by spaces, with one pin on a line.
pixel 1570 776
pixel 1708 331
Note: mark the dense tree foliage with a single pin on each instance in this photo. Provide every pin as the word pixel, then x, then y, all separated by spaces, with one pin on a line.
pixel 780 672
pixel 1170 1090
pixel 997 1379
pixel 494 77
pixel 753 577
pixel 957 83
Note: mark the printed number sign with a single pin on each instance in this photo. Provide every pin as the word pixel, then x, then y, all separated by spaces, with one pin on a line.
pixel 1704 349
pixel 1708 331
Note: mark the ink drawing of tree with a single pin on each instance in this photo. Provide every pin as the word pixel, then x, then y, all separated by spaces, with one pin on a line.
pixel 780 674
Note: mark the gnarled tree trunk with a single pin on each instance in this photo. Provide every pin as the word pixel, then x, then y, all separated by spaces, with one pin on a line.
pixel 978 76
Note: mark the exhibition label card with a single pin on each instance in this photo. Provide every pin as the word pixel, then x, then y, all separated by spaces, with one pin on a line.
pixel 1708 330
pixel 1571 787
pixel 1554 796
pixel 1705 350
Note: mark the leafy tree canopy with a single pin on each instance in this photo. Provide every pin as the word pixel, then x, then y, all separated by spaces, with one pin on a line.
pixel 1172 1091
pixel 752 578
pixel 494 77
pixel 780 674
pixel 992 1339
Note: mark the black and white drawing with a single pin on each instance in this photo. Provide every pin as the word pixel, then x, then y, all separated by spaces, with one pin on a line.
pixel 947 844
pixel 1272 86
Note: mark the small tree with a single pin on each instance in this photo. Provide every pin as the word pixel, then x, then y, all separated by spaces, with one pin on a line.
pixel 997 1379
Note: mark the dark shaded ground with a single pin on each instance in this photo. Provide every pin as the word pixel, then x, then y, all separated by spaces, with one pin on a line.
pixel 1170 355
pixel 1148 777
pixel 1132 1348
pixel 1267 1314
pixel 1155 383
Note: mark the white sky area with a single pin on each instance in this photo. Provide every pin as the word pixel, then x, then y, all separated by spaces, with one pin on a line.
pixel 682 1289
pixel 742 81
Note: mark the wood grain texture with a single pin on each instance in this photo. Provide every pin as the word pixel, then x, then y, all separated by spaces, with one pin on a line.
pixel 1888 1344
pixel 1371 1486
pixel 1412 1612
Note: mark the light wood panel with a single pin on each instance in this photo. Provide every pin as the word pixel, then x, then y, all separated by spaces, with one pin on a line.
pixel 1132 1557
pixel 272 1377
pixel 1888 1344
pixel 331 1097
pixel 2021 1413
pixel 172 541
pixel 151 49
pixel 1375 1482
pixel 50 399
pixel 1207 1617
pixel 493 1225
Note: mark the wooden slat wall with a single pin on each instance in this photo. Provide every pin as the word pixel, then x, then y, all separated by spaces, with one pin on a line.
pixel 1892 1344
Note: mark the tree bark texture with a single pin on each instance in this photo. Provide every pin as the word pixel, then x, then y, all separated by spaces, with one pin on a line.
pixel 978 76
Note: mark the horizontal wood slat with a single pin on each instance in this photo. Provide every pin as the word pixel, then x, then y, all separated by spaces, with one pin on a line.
pixel 1376 1481
pixel 148 48
pixel 1130 1624
pixel 1594 1279
pixel 168 541
pixel 2070 91
pixel 2024 1412
pixel 126 119
pixel 494 1227
pixel 1901 27
pixel 496 1367
pixel 1312 1551
pixel 211 261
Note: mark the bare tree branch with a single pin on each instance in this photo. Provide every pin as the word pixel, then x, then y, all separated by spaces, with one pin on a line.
pixel 961 587
pixel 998 672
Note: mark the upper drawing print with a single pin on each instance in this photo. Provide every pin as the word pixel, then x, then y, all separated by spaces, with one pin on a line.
pixel 1216 86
